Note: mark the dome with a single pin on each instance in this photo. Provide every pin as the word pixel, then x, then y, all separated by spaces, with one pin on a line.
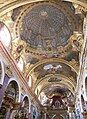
pixel 45 27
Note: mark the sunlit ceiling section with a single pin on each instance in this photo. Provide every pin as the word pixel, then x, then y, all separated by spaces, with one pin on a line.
pixel 5 36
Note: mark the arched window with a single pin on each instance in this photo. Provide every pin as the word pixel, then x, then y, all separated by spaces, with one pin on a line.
pixel 5 36
pixel 10 98
pixel 13 90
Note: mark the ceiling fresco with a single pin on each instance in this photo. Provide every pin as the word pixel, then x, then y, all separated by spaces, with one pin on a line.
pixel 46 42
pixel 46 27
pixel 54 68
pixel 60 93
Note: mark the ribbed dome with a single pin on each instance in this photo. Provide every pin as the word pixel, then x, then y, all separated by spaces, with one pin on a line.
pixel 46 27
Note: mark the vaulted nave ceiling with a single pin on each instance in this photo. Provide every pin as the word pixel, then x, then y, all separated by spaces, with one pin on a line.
pixel 46 41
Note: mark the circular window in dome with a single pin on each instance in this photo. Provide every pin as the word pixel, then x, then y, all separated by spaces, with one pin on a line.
pixel 5 36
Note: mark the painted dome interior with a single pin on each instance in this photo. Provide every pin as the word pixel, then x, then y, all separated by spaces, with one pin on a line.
pixel 46 27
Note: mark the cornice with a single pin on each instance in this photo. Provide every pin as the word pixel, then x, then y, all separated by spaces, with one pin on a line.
pixel 19 75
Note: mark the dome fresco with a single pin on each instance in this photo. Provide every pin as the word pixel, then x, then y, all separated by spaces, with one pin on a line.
pixel 45 27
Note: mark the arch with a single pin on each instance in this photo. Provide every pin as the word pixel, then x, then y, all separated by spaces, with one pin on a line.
pixel 14 4
pixel 67 79
pixel 57 117
pixel 57 84
pixel 3 72
pixel 26 95
pixel 14 79
pixel 53 60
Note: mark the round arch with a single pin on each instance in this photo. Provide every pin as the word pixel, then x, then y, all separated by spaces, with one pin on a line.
pixel 18 3
pixel 67 79
pixel 53 60
pixel 57 84
pixel 18 83
pixel 57 117
pixel 26 95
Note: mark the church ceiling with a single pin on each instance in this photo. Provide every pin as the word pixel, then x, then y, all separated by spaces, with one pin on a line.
pixel 6 6
pixel 46 29
pixel 60 90
pixel 42 25
pixel 46 40
pixel 56 92
pixel 54 68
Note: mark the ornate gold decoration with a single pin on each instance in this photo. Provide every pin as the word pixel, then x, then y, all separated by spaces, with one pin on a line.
pixel 8 71
pixel 79 9
pixel 77 40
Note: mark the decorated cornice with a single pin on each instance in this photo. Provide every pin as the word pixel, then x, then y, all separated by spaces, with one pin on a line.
pixel 79 2
pixel 13 65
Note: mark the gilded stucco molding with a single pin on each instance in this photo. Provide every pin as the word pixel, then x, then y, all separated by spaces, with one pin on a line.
pixel 76 40
pixel 9 5
pixel 79 2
